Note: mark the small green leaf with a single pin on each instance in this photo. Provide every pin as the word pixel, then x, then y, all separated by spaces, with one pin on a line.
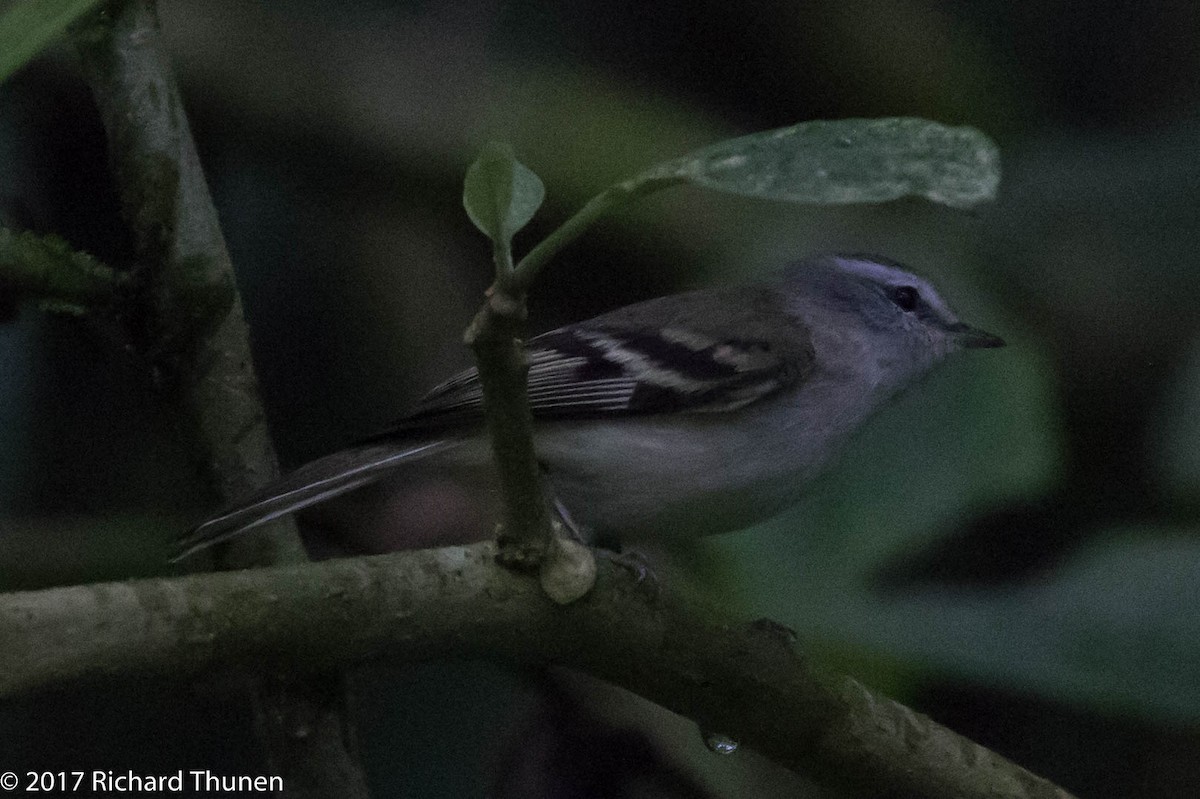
pixel 500 193
pixel 47 268
pixel 26 27
pixel 847 161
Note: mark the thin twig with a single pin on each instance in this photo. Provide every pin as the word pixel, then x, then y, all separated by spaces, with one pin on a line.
pixel 606 201
pixel 495 335
pixel 743 680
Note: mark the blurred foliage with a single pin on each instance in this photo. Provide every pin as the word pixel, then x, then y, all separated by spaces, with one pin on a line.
pixel 26 28
pixel 45 267
pixel 1177 439
pixel 102 547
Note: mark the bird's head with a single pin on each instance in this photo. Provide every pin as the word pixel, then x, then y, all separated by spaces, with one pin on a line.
pixel 874 307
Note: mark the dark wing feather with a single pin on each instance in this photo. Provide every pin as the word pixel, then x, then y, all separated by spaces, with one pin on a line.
pixel 614 365
pixel 314 482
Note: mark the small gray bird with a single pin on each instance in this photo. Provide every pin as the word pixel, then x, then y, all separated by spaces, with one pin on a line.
pixel 683 416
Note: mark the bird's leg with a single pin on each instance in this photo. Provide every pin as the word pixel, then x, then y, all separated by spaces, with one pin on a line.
pixel 636 563
pixel 631 560
pixel 578 533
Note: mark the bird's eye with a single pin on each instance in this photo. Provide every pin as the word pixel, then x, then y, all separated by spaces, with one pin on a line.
pixel 905 297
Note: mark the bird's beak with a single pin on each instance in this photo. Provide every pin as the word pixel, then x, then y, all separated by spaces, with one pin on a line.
pixel 973 337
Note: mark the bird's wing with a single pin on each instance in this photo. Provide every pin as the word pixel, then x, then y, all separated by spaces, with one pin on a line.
pixel 613 365
pixel 314 482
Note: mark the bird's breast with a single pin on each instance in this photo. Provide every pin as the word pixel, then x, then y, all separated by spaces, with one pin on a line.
pixel 684 476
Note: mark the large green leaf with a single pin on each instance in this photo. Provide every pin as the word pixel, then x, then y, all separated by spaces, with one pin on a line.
pixel 500 193
pixel 847 161
pixel 1116 629
pixel 27 26
pixel 816 163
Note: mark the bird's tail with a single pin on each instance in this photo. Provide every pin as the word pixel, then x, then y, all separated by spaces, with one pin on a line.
pixel 322 479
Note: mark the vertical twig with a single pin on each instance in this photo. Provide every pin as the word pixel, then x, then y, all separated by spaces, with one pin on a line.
pixel 188 319
pixel 566 568
pixel 495 336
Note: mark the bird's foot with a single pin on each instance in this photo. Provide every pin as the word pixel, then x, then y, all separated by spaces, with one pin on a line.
pixel 636 563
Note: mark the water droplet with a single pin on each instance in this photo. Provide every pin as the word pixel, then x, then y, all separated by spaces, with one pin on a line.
pixel 719 744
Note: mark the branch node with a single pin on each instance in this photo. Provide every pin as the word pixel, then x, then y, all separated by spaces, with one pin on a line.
pixel 514 554
pixel 568 572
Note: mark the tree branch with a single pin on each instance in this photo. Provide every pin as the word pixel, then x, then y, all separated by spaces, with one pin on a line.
pixel 500 195
pixel 745 681
pixel 495 335
pixel 188 319
pixel 188 315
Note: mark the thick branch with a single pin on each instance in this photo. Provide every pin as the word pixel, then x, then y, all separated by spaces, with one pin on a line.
pixel 746 681
pixel 190 321
pixel 190 317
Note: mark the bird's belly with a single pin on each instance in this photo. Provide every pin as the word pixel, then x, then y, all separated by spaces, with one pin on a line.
pixel 641 479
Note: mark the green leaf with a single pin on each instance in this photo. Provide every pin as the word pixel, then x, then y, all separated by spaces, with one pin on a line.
pixel 847 161
pixel 1117 628
pixel 27 26
pixel 500 193
pixel 47 268
pixel 817 163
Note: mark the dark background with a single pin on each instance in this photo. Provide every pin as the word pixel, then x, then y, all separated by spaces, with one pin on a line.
pixel 1011 547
